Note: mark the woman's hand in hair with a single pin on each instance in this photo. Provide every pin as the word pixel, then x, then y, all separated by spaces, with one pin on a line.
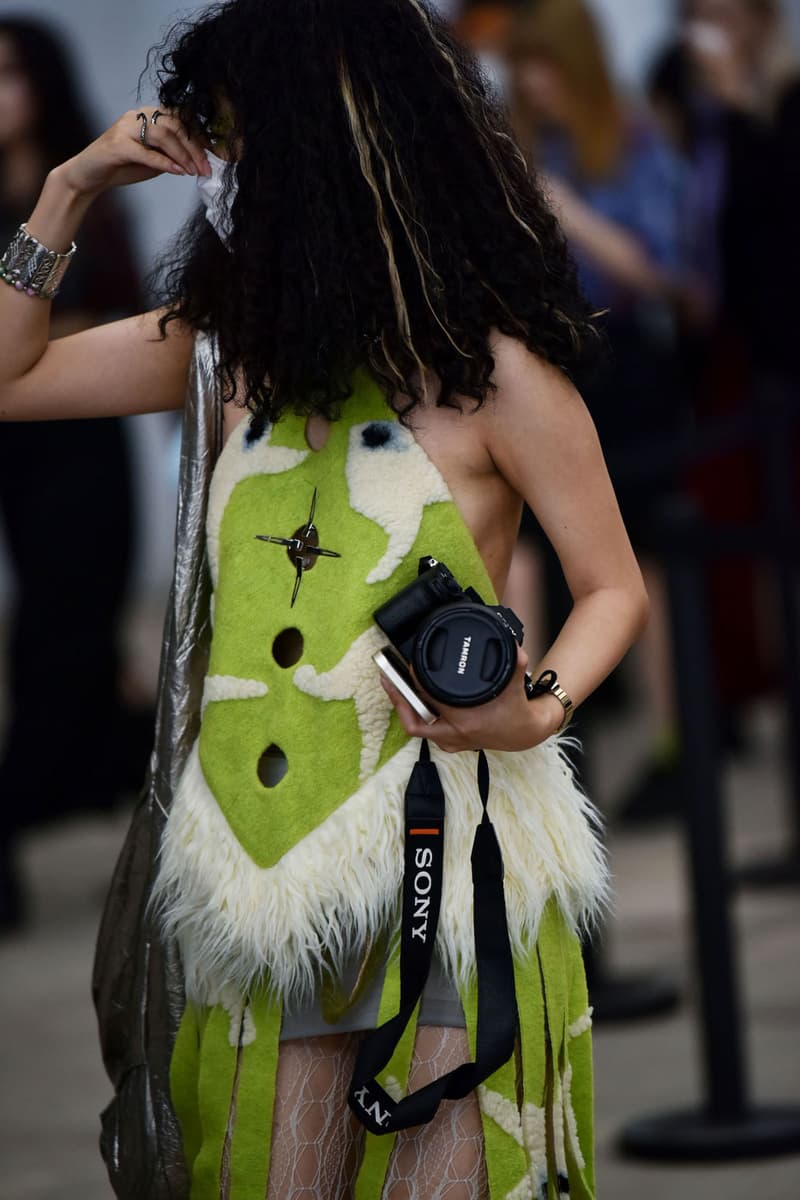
pixel 509 722
pixel 119 156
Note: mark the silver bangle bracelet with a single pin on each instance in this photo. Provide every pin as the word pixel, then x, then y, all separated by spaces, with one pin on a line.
pixel 30 267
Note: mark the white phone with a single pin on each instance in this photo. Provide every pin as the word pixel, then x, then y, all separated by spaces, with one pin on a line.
pixel 390 664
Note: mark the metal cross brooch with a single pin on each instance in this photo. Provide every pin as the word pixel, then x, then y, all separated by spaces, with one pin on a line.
pixel 302 547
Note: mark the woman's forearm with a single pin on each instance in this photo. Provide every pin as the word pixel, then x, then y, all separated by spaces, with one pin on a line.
pixel 605 242
pixel 25 320
pixel 598 632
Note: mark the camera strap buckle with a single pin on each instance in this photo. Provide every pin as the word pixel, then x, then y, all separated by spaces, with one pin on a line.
pixel 422 893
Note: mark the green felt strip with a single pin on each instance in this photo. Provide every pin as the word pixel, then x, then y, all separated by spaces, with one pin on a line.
pixel 530 1003
pixel 550 946
pixel 252 1135
pixel 378 1149
pixel 506 1161
pixel 533 1046
pixel 565 1000
pixel 215 1088
pixel 554 984
pixel 183 1083
pixel 579 1056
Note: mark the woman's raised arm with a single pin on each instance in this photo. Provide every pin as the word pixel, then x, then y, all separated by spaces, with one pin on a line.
pixel 124 367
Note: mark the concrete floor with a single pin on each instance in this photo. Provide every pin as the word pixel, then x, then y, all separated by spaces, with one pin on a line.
pixel 53 1085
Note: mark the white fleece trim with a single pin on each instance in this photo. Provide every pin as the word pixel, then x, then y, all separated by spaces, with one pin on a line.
pixel 355 677
pixel 391 485
pixel 231 687
pixel 340 885
pixel 239 461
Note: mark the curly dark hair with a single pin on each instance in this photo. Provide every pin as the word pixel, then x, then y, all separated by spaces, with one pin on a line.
pixel 384 216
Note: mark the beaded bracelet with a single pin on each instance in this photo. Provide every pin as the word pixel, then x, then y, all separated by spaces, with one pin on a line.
pixel 30 267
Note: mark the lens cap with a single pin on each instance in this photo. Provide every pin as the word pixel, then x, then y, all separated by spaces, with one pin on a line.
pixel 464 655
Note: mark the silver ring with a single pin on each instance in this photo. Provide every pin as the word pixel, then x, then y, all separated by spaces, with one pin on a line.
pixel 154 119
pixel 140 116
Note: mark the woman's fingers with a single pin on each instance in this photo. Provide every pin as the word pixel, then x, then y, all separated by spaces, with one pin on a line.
pixel 174 130
pixel 408 718
pixel 149 157
pixel 167 137
pixel 441 732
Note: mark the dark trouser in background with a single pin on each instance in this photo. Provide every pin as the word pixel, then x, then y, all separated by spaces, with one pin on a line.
pixel 65 503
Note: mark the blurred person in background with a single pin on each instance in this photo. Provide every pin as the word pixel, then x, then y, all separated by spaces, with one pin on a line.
pixel 65 500
pixel 483 25
pixel 616 186
pixel 377 300
pixel 726 91
pixel 717 91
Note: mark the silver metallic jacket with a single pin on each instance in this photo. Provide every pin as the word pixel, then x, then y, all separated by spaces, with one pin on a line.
pixel 137 982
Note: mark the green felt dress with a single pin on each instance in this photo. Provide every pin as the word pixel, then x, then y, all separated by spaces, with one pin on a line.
pixel 282 857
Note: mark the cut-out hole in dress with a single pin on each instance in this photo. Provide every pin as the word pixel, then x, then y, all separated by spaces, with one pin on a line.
pixel 287 649
pixel 318 430
pixel 272 766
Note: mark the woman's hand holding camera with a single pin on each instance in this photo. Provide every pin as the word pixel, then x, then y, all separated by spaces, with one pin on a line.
pixel 509 722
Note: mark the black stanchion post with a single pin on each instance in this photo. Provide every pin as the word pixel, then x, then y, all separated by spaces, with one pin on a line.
pixel 777 427
pixel 618 995
pixel 728 1126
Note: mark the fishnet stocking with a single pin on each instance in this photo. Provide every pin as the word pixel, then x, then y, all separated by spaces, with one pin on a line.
pixel 442 1160
pixel 316 1140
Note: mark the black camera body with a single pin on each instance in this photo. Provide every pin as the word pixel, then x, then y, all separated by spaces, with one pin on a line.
pixel 462 650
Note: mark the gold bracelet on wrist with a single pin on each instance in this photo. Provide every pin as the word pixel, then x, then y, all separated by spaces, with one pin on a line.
pixel 548 682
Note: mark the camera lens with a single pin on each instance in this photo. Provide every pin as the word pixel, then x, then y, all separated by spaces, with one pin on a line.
pixel 464 655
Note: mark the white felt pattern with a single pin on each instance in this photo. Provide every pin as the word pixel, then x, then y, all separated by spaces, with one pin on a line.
pixel 240 460
pixel 581 1024
pixel 503 1112
pixel 534 1137
pixel 231 687
pixel 355 677
pixel 391 484
pixel 522 1191
pixel 571 1120
pixel 528 1129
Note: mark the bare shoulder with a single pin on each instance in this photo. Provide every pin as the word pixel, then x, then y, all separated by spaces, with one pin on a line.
pixel 528 386
pixel 535 415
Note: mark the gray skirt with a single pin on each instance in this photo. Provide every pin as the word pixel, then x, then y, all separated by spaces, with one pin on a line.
pixel 440 1005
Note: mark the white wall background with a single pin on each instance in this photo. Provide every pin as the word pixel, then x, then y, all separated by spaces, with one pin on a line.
pixel 110 39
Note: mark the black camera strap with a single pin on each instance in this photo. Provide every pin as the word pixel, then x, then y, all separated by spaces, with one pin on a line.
pixel 422 894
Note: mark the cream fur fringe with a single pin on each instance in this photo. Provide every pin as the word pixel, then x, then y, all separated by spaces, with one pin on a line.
pixel 238 924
